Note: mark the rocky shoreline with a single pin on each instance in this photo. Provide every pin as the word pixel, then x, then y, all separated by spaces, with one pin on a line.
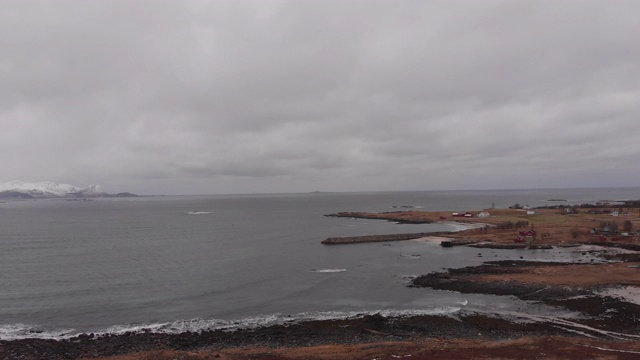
pixel 603 312
pixel 603 319
pixel 368 329
pixel 607 326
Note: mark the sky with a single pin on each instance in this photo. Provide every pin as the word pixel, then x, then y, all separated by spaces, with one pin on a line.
pixel 214 97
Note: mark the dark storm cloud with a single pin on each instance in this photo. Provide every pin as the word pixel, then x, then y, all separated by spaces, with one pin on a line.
pixel 253 96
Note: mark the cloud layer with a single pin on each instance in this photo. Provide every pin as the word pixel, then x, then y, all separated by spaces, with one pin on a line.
pixel 184 97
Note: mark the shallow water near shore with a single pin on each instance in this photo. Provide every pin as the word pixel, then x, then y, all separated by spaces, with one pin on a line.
pixel 190 263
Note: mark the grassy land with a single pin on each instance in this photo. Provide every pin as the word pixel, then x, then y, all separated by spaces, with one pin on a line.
pixel 552 226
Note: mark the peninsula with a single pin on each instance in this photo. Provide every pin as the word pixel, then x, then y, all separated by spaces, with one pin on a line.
pixel 553 226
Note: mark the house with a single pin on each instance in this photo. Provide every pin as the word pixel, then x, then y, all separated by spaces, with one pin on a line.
pixel 615 213
pixel 528 235
pixel 484 214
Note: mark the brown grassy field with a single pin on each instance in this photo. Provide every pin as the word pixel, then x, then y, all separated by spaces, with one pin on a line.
pixel 553 227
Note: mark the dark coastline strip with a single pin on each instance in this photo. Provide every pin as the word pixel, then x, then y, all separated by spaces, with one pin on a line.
pixel 389 216
pixel 582 299
pixel 377 238
pixel 368 329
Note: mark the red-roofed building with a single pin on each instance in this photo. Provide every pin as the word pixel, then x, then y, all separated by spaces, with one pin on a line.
pixel 528 235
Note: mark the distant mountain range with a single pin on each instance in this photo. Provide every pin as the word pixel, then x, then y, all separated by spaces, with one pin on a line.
pixel 51 190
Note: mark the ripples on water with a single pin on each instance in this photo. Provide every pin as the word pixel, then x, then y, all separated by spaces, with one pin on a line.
pixel 122 264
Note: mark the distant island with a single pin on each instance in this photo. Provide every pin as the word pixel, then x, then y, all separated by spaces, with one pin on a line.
pixel 52 190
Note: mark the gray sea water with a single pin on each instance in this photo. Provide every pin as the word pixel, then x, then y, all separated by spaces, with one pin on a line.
pixel 180 263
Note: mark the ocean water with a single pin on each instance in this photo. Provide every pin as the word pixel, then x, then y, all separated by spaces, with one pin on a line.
pixel 180 263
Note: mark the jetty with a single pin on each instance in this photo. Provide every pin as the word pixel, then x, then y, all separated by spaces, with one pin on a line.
pixel 376 238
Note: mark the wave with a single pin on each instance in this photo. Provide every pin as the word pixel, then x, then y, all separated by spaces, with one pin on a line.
pixel 198 212
pixel 328 270
pixel 22 331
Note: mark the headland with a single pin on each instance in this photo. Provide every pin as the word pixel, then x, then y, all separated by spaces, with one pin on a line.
pixel 610 226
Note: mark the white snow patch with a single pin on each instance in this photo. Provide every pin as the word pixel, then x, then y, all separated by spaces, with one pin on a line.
pixel 48 188
pixel 629 294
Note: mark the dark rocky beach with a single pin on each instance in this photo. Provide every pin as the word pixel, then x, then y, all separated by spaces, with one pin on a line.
pixel 368 329
pixel 603 319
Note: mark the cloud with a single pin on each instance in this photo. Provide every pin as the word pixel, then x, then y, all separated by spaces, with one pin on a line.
pixel 261 96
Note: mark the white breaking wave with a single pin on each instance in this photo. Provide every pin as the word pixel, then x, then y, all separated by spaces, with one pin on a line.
pixel 198 325
pixel 21 331
pixel 411 256
pixel 329 270
pixel 198 212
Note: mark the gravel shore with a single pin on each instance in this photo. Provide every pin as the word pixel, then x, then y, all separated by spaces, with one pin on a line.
pixel 368 329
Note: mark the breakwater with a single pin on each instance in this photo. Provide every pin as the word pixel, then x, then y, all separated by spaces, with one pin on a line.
pixel 377 238
pixel 400 217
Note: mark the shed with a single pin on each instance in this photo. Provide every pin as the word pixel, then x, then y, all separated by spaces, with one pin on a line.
pixel 529 235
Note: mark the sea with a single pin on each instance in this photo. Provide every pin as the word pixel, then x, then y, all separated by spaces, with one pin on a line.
pixel 191 263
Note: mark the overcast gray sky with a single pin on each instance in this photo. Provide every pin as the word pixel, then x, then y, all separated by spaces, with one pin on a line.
pixel 201 97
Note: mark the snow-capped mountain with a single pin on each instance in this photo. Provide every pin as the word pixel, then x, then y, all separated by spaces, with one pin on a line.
pixel 47 190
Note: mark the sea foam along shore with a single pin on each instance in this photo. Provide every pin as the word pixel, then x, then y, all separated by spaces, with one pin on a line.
pixel 21 331
pixel 462 226
pixel 372 329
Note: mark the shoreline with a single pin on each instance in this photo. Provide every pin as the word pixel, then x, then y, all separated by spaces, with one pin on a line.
pixel 410 333
pixel 361 239
pixel 463 226
pixel 586 290
pixel 604 297
pixel 553 227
